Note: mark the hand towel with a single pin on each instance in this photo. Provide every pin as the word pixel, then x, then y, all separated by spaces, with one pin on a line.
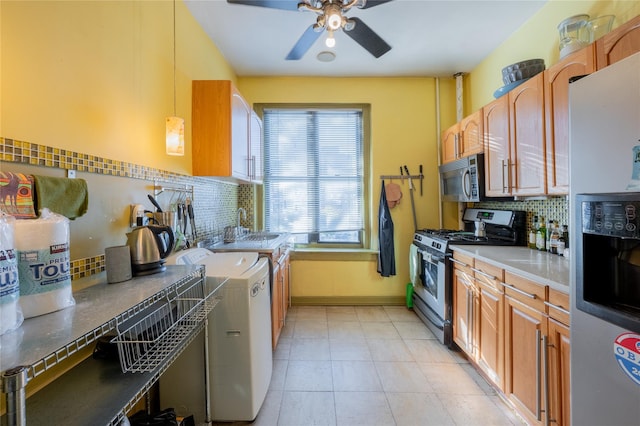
pixel 16 195
pixel 68 197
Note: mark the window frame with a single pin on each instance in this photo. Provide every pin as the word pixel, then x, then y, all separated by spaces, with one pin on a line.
pixel 366 177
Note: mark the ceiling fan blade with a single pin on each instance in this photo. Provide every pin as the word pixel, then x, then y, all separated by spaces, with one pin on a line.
pixel 272 4
pixel 367 38
pixel 303 44
pixel 372 3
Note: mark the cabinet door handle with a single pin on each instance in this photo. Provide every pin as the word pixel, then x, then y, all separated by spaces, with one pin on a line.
pixel 469 319
pixel 253 166
pixel 538 372
pixel 459 262
pixel 517 290
pixel 456 154
pixel 509 181
pixel 491 277
pixel 560 308
pixel 545 360
pixel 504 186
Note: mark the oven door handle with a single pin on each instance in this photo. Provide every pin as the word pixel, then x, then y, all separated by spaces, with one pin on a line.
pixel 432 258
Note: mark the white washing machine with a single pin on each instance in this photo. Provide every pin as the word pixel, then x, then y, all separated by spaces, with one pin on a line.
pixel 239 336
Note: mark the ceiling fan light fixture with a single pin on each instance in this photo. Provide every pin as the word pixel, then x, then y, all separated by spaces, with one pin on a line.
pixel 349 24
pixel 333 16
pixel 330 41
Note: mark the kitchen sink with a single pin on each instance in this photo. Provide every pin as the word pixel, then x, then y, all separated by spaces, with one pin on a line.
pixel 260 236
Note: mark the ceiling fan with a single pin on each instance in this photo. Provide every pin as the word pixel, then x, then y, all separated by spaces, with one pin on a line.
pixel 331 18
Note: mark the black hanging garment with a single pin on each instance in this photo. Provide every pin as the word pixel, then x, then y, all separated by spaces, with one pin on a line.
pixel 386 256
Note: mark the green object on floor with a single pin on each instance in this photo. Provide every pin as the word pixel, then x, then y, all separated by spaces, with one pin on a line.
pixel 409 295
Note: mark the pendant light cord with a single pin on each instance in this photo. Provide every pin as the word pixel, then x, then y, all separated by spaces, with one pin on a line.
pixel 174 58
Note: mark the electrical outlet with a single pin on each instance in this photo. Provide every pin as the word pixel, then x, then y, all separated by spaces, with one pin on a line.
pixel 136 216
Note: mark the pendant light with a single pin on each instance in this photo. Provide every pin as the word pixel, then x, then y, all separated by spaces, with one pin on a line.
pixel 174 125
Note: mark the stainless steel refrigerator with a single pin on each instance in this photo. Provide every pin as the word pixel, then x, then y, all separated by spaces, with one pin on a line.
pixel 605 245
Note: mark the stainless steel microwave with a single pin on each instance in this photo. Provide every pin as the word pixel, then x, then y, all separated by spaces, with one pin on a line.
pixel 463 180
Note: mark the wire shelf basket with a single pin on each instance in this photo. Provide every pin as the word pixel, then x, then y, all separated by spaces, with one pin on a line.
pixel 148 339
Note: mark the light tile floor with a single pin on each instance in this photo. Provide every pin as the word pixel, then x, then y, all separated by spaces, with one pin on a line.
pixel 373 365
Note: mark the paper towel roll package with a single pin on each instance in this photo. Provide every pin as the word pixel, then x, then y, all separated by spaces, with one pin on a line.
pixel 10 312
pixel 44 264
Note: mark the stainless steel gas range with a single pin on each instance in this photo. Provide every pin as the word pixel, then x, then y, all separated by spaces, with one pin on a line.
pixel 431 270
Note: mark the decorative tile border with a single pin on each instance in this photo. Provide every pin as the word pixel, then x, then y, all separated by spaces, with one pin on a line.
pixel 212 198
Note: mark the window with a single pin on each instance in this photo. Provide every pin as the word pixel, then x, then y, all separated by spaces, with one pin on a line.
pixel 315 174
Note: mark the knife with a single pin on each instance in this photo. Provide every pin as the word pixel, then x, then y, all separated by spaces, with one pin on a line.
pixel 421 177
pixel 155 203
pixel 192 224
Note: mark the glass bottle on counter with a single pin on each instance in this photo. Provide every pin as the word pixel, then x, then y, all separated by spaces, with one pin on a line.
pixel 549 229
pixel 561 242
pixel 532 233
pixel 565 235
pixel 541 235
pixel 554 237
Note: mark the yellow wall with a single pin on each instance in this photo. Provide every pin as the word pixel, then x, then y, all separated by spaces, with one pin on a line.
pixel 403 132
pixel 537 38
pixel 97 76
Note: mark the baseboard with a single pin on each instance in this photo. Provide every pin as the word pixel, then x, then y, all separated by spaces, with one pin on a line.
pixel 347 300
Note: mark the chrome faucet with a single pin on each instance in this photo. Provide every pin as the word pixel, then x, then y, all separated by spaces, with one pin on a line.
pixel 244 216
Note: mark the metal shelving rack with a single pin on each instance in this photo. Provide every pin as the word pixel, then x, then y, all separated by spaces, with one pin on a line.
pixel 98 391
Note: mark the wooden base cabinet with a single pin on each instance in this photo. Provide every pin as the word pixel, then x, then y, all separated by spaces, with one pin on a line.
pixel 524 327
pixel 559 359
pixel 464 303
pixel 490 330
pixel 516 333
pixel 478 315
pixel 280 293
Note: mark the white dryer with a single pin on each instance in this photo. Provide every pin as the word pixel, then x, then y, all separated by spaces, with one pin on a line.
pixel 239 336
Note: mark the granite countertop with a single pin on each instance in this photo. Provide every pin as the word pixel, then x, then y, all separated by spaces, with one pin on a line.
pixel 545 268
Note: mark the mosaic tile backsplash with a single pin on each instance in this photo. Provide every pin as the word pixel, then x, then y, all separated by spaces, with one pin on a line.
pixel 554 208
pixel 212 198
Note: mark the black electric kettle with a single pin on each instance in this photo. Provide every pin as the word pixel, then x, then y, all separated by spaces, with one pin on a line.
pixel 149 245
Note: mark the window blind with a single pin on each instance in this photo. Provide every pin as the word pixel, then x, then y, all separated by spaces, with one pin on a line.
pixel 314 176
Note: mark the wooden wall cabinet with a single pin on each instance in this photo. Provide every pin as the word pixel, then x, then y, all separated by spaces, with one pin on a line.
pixel 618 44
pixel 497 151
pixel 526 116
pixel 515 142
pixel 227 134
pixel 463 139
pixel 556 98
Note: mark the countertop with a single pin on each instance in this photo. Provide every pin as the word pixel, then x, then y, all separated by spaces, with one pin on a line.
pixel 545 268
